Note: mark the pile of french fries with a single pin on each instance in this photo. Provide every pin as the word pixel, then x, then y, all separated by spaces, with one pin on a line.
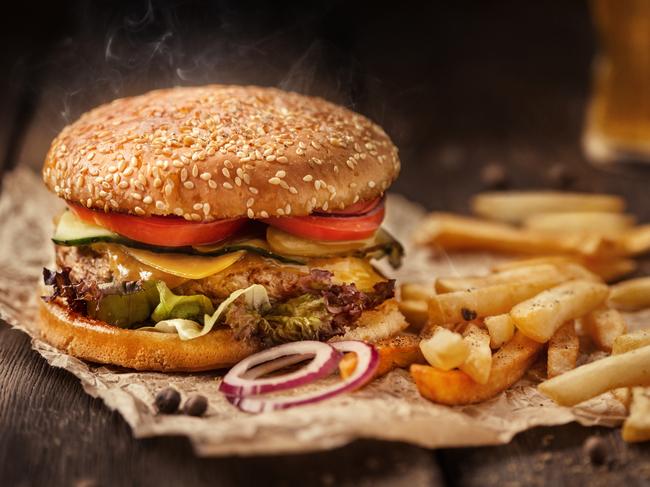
pixel 589 229
pixel 478 335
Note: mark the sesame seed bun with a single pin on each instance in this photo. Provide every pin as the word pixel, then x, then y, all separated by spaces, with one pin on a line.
pixel 96 341
pixel 220 152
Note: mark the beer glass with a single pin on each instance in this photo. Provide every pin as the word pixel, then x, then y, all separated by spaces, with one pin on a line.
pixel 618 118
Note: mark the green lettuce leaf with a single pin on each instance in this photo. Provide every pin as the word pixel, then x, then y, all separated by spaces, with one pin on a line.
pixel 255 296
pixel 302 318
pixel 172 306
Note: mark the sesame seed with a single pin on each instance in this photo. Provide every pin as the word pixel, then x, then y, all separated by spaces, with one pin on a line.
pixel 188 184
pixel 196 217
pixel 139 211
pixel 317 184
pixel 270 158
pixel 282 159
pixel 160 205
pixel 227 185
pixel 206 209
pixel 127 172
pixel 198 206
pixel 249 202
pixel 205 176
pixel 308 178
pixel 136 196
pixel 280 211
pixel 212 184
pixel 287 209
pixel 238 181
pixel 280 174
pixel 225 172
pixel 123 184
pixel 293 190
pixel 168 189
pixel 183 175
pixel 371 184
pixel 253 190
pixel 195 170
pixel 178 211
pixel 325 206
pixel 147 200
pixel 264 214
pixel 275 180
pixel 250 213
pixel 227 163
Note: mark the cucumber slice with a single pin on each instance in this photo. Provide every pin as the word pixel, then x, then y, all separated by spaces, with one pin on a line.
pixel 73 231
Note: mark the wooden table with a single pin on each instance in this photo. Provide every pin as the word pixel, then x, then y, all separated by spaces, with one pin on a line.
pixel 496 94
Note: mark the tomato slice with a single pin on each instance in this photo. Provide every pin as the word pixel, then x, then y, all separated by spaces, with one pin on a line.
pixel 332 228
pixel 165 231
pixel 359 208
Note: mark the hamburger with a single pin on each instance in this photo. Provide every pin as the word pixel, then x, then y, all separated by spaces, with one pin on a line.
pixel 203 224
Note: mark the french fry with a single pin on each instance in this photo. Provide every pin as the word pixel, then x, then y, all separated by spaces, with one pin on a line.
pixel 399 351
pixel 637 425
pixel 541 272
pixel 540 317
pixel 454 232
pixel 458 306
pixel 599 223
pixel 604 325
pixel 563 349
pixel 623 395
pixel 479 361
pixel 637 240
pixel 515 206
pixel 455 387
pixel 628 369
pixel 611 269
pixel 445 350
pixel 608 269
pixel 417 292
pixel 555 260
pixel 631 295
pixel 501 329
pixel 415 312
pixel 631 341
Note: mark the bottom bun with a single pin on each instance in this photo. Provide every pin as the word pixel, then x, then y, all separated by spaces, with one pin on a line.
pixel 96 341
pixel 100 342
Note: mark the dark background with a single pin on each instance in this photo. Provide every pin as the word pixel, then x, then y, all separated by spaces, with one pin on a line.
pixel 458 85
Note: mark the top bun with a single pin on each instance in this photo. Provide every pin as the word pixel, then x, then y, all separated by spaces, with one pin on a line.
pixel 220 152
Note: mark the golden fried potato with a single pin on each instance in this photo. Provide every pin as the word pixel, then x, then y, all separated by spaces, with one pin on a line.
pixel 455 387
pixel 604 325
pixel 563 349
pixel 540 317
pixel 399 351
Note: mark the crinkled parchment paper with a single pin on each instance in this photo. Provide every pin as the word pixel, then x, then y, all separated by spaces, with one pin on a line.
pixel 390 408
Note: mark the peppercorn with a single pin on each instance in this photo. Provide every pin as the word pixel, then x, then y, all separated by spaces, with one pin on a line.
pixel 195 405
pixel 168 400
pixel 596 449
pixel 468 314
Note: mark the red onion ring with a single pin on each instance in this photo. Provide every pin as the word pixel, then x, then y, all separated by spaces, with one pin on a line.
pixel 367 363
pixel 325 359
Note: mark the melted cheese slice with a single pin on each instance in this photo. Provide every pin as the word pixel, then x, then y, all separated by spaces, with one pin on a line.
pixel 183 265
pixel 349 270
